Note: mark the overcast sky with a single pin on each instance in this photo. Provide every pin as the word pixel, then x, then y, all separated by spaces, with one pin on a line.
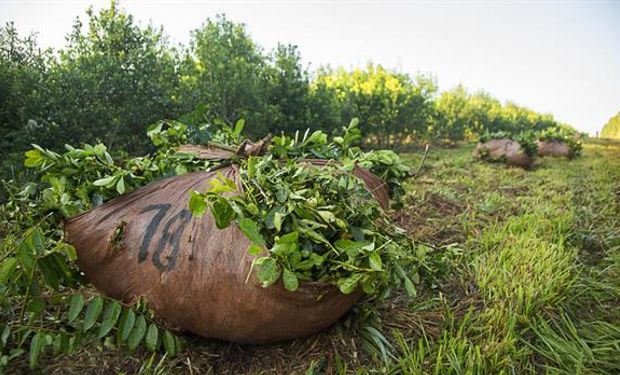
pixel 561 57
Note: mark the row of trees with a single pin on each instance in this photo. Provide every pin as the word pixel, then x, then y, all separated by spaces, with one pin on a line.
pixel 612 127
pixel 115 77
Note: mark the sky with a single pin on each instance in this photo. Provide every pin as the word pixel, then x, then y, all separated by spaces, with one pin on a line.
pixel 559 57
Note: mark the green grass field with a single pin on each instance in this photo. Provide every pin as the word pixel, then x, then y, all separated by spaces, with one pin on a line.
pixel 528 282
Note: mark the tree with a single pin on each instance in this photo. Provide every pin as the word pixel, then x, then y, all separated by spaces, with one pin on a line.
pixel 23 66
pixel 453 115
pixel 225 71
pixel 111 82
pixel 288 90
pixel 612 127
pixel 324 109
pixel 390 105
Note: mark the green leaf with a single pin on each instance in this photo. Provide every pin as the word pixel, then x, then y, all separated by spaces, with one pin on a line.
pixel 197 204
pixel 250 229
pixel 415 278
pixel 151 337
pixel 106 181
pixel 99 149
pixel 375 261
pixel 351 248
pixel 316 236
pixel 239 127
pixel 50 274
pixel 222 213
pixel 178 344
pixel 68 251
pixel 108 158
pixel 110 317
pixel 255 249
pixel 281 194
pixel 75 307
pixel 252 209
pixel 92 313
pixel 6 269
pixel 127 323
pixel 25 256
pixel 180 170
pixel 137 333
pixel 37 239
pixel 169 345
pixel 221 184
pixel 317 137
pixel 410 288
pixel 154 130
pixel 289 238
pixel 120 185
pixel 349 284
pixel 277 221
pixel 4 337
pixel 36 345
pixel 367 286
pixel 61 343
pixel 290 280
pixel 281 249
pixel 327 216
pixel 268 272
pixel 34 158
pixel 56 345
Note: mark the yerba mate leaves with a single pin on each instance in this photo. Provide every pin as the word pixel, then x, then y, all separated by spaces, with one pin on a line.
pixel 292 212
pixel 335 230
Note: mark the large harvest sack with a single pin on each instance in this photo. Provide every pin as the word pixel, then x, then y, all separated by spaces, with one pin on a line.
pixel 503 150
pixel 193 275
pixel 553 148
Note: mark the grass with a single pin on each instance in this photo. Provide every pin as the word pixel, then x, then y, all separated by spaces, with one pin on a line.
pixel 530 283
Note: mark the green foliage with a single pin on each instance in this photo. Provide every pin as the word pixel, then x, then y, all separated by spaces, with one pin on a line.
pixel 225 71
pixel 388 166
pixel 311 224
pixel 115 77
pixel 44 313
pixel 118 76
pixel 384 163
pixel 23 69
pixel 392 107
pixel 454 115
pixel 612 127
pixel 461 115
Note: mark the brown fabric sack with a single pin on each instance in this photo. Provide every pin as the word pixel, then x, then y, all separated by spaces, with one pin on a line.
pixel 505 150
pixel 192 274
pixel 553 148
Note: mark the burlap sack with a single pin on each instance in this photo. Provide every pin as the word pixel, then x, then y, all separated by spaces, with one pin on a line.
pixel 553 148
pixel 504 150
pixel 192 274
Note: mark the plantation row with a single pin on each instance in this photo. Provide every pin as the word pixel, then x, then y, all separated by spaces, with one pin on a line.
pixel 612 127
pixel 115 77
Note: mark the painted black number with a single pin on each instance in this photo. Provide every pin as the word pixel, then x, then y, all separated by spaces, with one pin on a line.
pixel 151 228
pixel 171 238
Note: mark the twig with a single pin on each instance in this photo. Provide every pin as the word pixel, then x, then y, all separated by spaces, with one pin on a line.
pixel 422 162
pixel 221 146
